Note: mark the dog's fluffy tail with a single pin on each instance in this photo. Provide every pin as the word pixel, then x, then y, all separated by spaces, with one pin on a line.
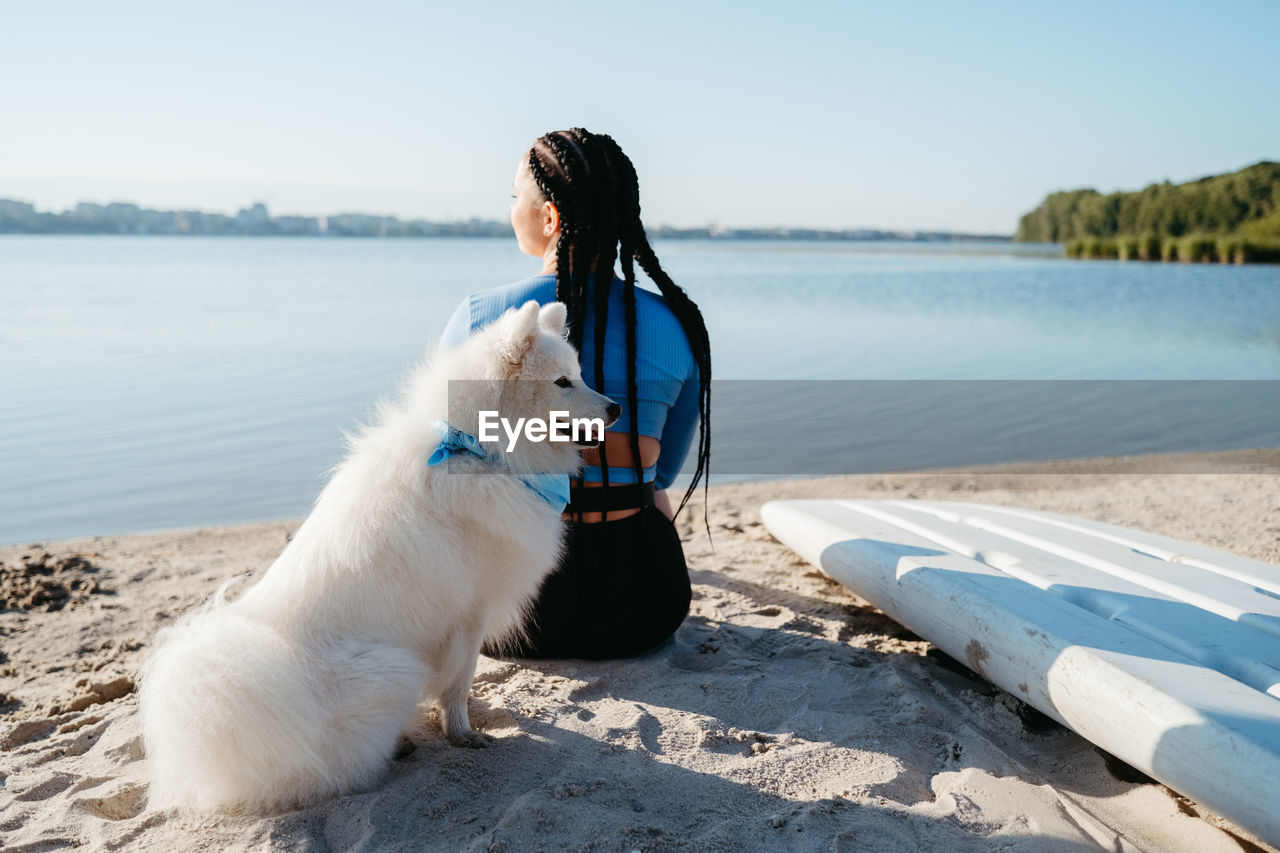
pixel 239 716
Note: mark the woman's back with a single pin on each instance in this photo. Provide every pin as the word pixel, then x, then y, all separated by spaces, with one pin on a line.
pixel 622 585
pixel 666 372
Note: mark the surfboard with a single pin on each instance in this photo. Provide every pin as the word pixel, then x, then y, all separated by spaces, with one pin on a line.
pixel 1164 653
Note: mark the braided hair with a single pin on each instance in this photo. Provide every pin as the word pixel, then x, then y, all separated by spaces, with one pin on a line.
pixel 594 187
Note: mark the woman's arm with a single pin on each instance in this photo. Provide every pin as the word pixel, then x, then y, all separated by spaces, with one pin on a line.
pixel 459 326
pixel 678 432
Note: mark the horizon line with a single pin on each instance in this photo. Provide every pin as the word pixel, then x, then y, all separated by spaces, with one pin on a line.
pixel 250 214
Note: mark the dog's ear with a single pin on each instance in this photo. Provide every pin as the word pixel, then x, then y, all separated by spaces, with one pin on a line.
pixel 519 328
pixel 554 318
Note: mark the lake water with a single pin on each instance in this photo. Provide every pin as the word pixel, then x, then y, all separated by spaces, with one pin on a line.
pixel 151 383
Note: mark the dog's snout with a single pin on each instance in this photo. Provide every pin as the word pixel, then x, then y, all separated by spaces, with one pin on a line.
pixel 612 411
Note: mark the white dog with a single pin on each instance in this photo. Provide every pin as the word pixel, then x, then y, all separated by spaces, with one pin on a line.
pixel 300 688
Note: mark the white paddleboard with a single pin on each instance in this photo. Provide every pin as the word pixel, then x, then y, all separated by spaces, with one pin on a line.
pixel 1164 653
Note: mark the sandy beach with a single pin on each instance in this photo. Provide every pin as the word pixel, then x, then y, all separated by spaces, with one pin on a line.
pixel 786 714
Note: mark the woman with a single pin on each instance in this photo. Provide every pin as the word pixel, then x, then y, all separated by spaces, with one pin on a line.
pixel 622 586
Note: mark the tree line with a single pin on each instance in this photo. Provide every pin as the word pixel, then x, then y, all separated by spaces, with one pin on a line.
pixel 1230 218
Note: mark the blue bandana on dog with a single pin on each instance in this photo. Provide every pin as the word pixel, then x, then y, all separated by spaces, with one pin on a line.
pixel 552 488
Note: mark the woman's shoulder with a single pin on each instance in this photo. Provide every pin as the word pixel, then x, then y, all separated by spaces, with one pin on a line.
pixel 659 324
pixel 485 306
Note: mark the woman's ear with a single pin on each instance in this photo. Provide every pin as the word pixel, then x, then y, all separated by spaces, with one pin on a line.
pixel 550 219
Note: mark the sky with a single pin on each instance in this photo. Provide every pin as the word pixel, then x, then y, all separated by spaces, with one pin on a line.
pixel 905 115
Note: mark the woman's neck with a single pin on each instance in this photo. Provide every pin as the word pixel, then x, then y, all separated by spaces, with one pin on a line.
pixel 551 270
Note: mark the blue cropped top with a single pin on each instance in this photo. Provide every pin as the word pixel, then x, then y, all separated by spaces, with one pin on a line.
pixel 666 373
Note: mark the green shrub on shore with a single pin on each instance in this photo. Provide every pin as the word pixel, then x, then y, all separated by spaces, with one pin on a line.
pixel 1259 252
pixel 1149 247
pixel 1197 248
pixel 1191 249
pixel 1231 249
pixel 1127 248
pixel 1093 248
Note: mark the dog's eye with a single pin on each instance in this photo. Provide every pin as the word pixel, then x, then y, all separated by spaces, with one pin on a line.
pixel 564 382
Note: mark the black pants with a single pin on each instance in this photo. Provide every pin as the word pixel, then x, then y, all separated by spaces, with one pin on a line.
pixel 622 587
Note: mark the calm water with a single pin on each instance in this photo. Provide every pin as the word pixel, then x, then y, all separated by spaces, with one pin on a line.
pixel 149 383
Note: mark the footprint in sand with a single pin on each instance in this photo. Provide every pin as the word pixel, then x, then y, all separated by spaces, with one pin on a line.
pixel 126 753
pixel 125 802
pixel 97 693
pixel 649 728
pixel 596 688
pixel 76 725
pixel 49 786
pixel 88 782
pixel 499 674
pixel 27 731
pixel 737 741
pixel 85 738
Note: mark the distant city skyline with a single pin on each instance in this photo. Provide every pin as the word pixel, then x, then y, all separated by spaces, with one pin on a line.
pixel 813 115
pixel 18 217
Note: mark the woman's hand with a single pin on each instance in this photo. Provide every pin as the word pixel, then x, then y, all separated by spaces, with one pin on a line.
pixel 662 502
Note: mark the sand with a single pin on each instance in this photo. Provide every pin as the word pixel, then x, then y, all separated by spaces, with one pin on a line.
pixel 785 714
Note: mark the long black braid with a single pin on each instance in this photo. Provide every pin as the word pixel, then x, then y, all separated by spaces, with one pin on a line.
pixel 577 247
pixel 594 187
